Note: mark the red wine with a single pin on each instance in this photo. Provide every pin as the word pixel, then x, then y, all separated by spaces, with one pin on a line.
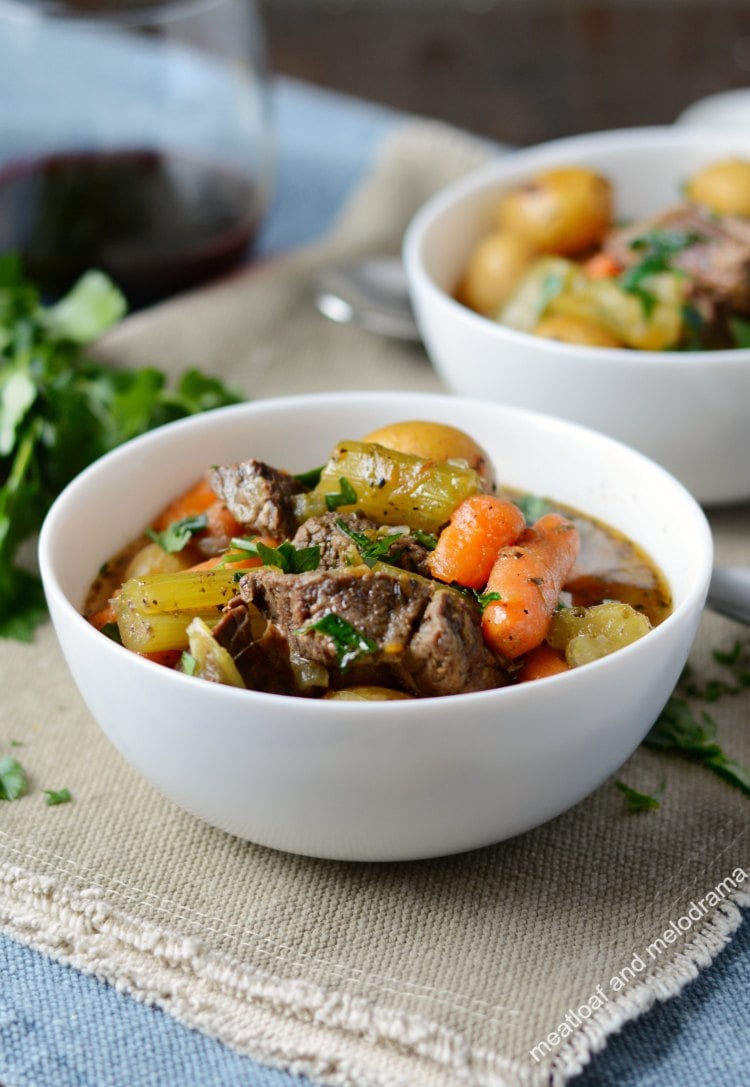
pixel 156 223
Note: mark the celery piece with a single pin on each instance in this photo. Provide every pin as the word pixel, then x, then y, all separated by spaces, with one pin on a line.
pixel 395 488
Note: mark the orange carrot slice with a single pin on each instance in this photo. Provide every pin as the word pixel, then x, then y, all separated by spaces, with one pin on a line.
pixel 467 547
pixel 529 576
pixel 194 501
pixel 602 266
pixel 542 661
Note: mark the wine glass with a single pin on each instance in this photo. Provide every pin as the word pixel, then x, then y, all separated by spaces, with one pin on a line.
pixel 136 139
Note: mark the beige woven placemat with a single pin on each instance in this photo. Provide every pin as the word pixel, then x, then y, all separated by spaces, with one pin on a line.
pixel 508 965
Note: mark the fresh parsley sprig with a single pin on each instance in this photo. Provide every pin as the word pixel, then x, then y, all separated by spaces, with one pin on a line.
pixel 13 780
pixel 371 551
pixel 287 557
pixel 657 249
pixel 59 411
pixel 677 730
pixel 349 643
pixel 345 496
pixel 638 801
pixel 177 535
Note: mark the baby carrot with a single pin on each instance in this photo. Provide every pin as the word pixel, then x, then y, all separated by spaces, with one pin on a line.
pixel 467 547
pixel 104 616
pixel 220 524
pixel 193 501
pixel 542 661
pixel 602 266
pixel 529 576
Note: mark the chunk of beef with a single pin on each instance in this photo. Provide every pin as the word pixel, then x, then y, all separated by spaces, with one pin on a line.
pixel 257 496
pixel 261 656
pixel 337 548
pixel 413 633
pixel 717 263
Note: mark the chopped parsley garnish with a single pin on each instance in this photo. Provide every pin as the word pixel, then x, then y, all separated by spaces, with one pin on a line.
pixel 57 796
pixel 737 663
pixel 483 599
pixel 658 248
pixel 533 507
pixel 310 478
pixel 678 731
pixel 638 801
pixel 553 284
pixel 59 411
pixel 425 538
pixel 188 663
pixel 740 329
pixel 346 496
pixel 13 781
pixel 112 631
pixel 350 644
pixel 179 533
pixel 371 551
pixel 287 557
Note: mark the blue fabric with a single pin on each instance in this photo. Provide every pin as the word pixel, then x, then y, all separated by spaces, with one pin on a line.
pixel 60 1028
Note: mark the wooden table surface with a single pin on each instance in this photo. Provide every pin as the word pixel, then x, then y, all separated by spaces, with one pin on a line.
pixel 519 71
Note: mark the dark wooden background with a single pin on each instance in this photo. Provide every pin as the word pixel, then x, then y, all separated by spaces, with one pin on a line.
pixel 520 71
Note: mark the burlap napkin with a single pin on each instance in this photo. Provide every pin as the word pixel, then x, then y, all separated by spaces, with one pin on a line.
pixel 509 965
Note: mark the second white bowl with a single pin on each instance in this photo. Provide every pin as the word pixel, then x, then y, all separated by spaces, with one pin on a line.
pixel 687 410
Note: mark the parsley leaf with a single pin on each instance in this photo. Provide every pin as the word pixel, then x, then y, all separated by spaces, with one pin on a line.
pixel 350 644
pixel 638 801
pixel 658 247
pixel 112 631
pixel 677 730
pixel 57 796
pixel 188 663
pixel 425 538
pixel 533 507
pixel 737 662
pixel 483 599
pixel 13 781
pixel 371 551
pixel 310 478
pixel 346 496
pixel 740 329
pixel 287 557
pixel 60 410
pixel 179 533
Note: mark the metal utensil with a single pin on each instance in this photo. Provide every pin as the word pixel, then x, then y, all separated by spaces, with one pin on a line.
pixel 371 292
pixel 729 592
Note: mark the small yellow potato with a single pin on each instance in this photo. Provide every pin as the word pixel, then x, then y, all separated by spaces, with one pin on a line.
pixel 437 442
pixel 569 329
pixel 723 187
pixel 496 264
pixel 153 559
pixel 366 694
pixel 563 211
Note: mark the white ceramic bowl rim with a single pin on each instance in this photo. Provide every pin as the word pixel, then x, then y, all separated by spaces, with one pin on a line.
pixel 527 159
pixel 47 560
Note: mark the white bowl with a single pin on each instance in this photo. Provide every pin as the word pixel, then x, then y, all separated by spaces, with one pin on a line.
pixel 687 410
pixel 375 781
pixel 727 110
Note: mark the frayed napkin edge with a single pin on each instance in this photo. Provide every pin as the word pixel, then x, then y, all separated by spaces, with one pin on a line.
pixel 339 1040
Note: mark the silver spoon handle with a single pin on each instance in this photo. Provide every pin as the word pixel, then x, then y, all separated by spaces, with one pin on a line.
pixel 729 592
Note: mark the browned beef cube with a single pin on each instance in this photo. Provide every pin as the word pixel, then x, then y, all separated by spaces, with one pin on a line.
pixel 257 496
pixel 413 633
pixel 337 548
pixel 717 262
